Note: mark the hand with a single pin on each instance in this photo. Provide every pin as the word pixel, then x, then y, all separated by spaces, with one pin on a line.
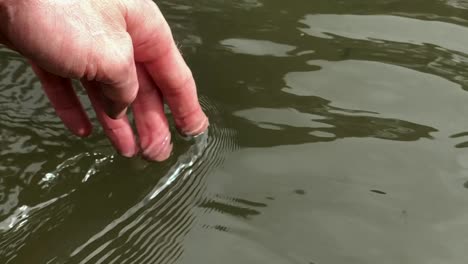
pixel 123 53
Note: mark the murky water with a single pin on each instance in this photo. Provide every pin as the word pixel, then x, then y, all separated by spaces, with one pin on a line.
pixel 339 134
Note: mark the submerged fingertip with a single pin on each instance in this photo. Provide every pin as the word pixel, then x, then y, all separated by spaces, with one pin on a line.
pixel 158 151
pixel 164 154
pixel 197 129
pixel 161 156
pixel 130 153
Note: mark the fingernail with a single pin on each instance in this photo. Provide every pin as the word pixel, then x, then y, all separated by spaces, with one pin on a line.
pixel 158 151
pixel 164 154
pixel 201 127
pixel 129 153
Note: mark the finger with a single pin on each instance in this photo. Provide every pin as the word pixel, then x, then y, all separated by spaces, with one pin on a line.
pixel 150 120
pixel 65 102
pixel 179 90
pixel 119 130
pixel 116 73
pixel 155 47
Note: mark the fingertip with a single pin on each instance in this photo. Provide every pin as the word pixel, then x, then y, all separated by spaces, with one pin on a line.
pixel 124 144
pixel 159 150
pixel 83 131
pixel 130 153
pixel 76 121
pixel 118 131
pixel 150 119
pixel 162 155
pixel 193 125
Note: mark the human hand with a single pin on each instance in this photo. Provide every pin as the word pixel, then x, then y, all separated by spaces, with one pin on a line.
pixel 123 53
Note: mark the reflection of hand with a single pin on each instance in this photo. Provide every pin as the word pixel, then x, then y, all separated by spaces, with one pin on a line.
pixel 123 52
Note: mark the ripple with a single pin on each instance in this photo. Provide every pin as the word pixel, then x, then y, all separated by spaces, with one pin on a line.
pixel 40 197
pixel 462 4
pixel 155 225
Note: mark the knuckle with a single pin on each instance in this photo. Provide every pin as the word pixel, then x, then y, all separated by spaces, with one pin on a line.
pixel 114 57
pixel 121 62
pixel 117 70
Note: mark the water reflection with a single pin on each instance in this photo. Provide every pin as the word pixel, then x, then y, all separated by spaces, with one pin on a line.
pixel 257 47
pixel 462 4
pixel 387 28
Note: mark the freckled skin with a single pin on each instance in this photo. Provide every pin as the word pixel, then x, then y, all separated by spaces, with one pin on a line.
pixel 123 53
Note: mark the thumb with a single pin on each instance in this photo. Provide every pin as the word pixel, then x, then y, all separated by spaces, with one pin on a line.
pixel 115 71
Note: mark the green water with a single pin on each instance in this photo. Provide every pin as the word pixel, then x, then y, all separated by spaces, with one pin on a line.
pixel 339 134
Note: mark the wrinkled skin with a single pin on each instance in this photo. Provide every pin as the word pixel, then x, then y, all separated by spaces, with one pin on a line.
pixel 123 53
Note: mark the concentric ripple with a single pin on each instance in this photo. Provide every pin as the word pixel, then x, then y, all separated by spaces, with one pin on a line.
pixel 149 228
pixel 155 226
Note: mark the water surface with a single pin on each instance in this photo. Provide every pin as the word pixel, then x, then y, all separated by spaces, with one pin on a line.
pixel 338 135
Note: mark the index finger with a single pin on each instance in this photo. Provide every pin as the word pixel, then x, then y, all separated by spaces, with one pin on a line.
pixel 154 46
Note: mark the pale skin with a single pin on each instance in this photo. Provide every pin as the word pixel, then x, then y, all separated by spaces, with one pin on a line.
pixel 124 54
